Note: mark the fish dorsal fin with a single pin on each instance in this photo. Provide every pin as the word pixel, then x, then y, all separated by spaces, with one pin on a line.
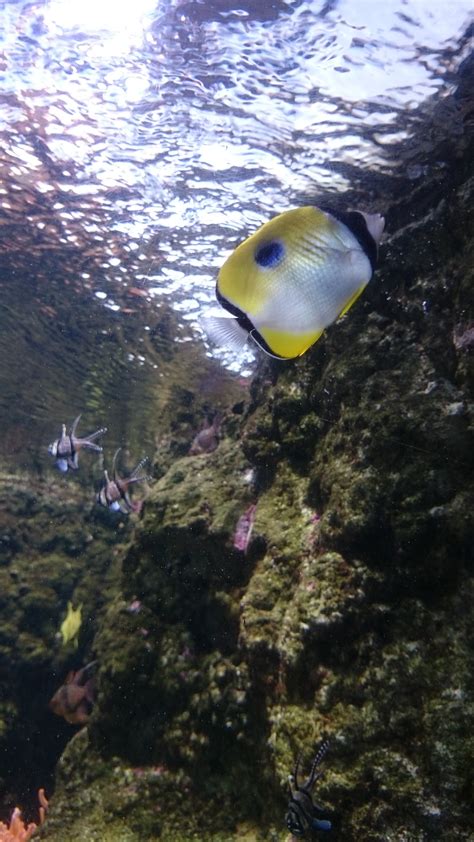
pixel 74 424
pixel 225 331
pixel 114 463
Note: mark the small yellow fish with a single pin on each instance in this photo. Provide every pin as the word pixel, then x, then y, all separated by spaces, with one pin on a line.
pixel 295 276
pixel 71 624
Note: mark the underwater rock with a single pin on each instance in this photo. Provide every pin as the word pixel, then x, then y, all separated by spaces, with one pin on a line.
pixel 350 614
pixel 52 555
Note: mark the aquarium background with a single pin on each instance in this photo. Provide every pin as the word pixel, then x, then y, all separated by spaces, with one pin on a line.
pixel 139 144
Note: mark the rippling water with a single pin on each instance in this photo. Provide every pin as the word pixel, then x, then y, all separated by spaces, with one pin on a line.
pixel 140 142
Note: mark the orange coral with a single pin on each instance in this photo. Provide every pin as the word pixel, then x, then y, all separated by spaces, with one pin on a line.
pixel 18 831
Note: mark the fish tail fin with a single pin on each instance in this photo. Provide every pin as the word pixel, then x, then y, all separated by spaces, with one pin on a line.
pixel 225 331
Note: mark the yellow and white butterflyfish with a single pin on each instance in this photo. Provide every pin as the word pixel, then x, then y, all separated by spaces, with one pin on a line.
pixel 295 276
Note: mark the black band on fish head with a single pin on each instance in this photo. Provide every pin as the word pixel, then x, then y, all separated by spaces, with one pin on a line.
pixel 244 322
pixel 357 225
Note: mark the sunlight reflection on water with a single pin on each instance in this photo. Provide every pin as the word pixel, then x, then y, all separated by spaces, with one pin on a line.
pixel 183 126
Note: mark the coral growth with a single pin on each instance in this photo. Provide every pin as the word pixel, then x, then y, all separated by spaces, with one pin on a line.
pixel 17 830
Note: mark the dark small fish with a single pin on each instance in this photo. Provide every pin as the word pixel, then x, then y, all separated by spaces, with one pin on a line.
pixel 74 700
pixel 66 449
pixel 243 530
pixel 114 492
pixel 207 439
pixel 303 813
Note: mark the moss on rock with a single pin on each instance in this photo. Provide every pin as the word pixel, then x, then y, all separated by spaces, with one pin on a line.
pixel 347 617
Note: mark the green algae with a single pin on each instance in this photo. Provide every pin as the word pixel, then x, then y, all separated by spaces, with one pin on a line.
pixel 345 618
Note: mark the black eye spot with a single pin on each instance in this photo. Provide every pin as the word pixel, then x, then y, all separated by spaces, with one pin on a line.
pixel 270 254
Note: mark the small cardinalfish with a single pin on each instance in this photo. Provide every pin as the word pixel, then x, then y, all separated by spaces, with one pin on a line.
pixel 75 698
pixel 66 449
pixel 243 530
pixel 297 274
pixel 303 814
pixel 114 494
pixel 207 439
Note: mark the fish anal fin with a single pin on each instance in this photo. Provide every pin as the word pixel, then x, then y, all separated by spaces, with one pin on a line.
pixel 288 345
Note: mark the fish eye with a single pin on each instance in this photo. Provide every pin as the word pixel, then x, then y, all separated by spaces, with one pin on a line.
pixel 270 254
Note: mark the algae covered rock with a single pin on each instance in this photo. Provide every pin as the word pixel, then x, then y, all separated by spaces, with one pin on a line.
pixel 52 553
pixel 346 614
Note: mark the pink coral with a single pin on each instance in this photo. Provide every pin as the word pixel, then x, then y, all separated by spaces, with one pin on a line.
pixel 18 831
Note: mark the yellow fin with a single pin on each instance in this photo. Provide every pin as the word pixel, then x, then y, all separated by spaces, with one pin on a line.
pixel 352 300
pixel 288 345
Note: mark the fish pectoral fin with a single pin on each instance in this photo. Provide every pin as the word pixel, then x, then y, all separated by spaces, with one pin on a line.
pixel 225 331
pixel 321 824
pixel 287 345
pixel 351 301
pixel 133 479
